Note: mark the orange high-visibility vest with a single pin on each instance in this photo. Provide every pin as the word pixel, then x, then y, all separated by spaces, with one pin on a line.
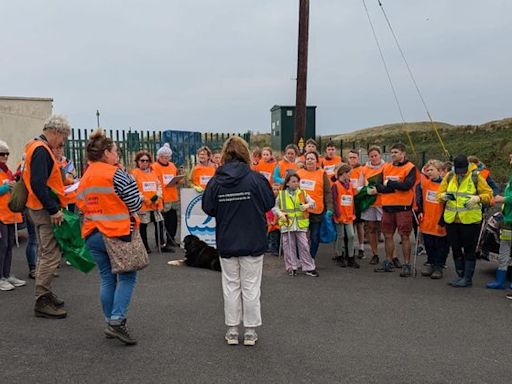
pixel 103 209
pixel 313 183
pixel 266 169
pixel 395 173
pixel 148 184
pixel 357 177
pixel 345 203
pixel 6 215
pixel 369 172
pixel 201 174
pixel 165 175
pixel 284 166
pixel 485 173
pixel 432 209
pixel 330 165
pixel 54 182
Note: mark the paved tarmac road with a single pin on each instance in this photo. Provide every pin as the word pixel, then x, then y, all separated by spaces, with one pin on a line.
pixel 347 326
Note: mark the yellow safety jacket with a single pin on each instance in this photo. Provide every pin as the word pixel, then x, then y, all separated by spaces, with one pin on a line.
pixel 291 206
pixel 456 209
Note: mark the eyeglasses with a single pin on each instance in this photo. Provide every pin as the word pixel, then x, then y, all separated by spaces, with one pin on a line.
pixel 144 161
pixel 4 153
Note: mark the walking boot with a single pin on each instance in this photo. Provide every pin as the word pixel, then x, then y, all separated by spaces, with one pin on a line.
pixel 45 307
pixel 343 262
pixel 467 280
pixel 427 270
pixel 57 300
pixel 375 260
pixel 459 269
pixel 396 262
pixel 437 273
pixel 352 263
pixel 120 332
pixel 500 282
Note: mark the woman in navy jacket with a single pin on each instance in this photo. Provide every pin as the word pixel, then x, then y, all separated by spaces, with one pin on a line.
pixel 238 198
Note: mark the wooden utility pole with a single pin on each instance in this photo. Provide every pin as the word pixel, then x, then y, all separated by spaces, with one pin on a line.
pixel 302 72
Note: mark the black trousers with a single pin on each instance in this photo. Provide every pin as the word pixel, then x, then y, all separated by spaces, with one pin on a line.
pixel 171 224
pixel 463 239
pixel 158 227
pixel 437 249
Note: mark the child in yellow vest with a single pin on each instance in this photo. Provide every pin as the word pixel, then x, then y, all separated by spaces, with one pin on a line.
pixel 291 207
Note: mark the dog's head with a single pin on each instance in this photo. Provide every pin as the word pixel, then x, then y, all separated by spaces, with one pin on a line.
pixel 190 241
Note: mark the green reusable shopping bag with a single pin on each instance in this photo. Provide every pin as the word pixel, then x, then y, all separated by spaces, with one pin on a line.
pixel 71 244
pixel 362 201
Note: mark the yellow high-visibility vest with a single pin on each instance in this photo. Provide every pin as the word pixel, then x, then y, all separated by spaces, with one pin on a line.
pixel 463 192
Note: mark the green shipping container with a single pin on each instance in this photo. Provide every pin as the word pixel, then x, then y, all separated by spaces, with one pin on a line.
pixel 283 124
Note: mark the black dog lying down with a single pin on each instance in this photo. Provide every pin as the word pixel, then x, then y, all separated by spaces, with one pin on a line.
pixel 198 254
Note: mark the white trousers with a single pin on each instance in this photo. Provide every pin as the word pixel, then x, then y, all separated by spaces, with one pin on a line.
pixel 241 283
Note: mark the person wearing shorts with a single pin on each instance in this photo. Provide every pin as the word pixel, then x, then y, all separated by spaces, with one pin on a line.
pixel 373 214
pixel 397 193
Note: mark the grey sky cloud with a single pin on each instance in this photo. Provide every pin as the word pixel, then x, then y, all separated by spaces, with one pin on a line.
pixel 220 65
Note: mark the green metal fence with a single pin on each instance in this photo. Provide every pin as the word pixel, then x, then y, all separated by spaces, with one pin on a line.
pixel 131 141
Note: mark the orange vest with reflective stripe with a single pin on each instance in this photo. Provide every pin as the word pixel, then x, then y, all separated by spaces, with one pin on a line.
pixel 284 166
pixel 313 183
pixel 395 173
pixel 103 209
pixel 148 184
pixel 6 215
pixel 369 172
pixel 345 203
pixel 54 182
pixel 266 169
pixel 329 166
pixel 432 209
pixel 165 175
pixel 202 174
pixel 357 178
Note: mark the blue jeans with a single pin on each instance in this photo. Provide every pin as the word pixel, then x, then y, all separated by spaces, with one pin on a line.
pixel 31 250
pixel 116 289
pixel 314 235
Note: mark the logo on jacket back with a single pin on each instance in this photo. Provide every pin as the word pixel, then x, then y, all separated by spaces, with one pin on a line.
pixel 198 223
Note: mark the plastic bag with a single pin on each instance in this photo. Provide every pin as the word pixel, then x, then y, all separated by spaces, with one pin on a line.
pixel 327 229
pixel 71 244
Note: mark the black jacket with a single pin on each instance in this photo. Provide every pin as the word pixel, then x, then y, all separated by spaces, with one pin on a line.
pixel 238 199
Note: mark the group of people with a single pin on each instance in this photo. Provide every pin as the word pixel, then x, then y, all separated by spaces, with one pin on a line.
pixel 261 204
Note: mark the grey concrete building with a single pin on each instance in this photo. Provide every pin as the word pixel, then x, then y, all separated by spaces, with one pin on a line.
pixel 22 118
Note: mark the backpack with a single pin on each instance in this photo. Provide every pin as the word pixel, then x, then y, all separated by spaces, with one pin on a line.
pixel 19 197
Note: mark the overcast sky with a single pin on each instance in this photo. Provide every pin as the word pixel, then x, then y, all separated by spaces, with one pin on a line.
pixel 205 65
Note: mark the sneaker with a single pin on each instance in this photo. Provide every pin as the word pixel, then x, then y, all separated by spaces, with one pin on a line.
pixel 509 296
pixel 5 285
pixel 45 307
pixel 406 270
pixel 397 263
pixel 232 336
pixel 437 273
pixel 16 282
pixel 343 262
pixel 250 337
pixel 120 332
pixel 386 266
pixel 32 274
pixel 292 272
pixel 375 260
pixel 352 263
pixel 312 273
pixel 427 270
pixel 360 254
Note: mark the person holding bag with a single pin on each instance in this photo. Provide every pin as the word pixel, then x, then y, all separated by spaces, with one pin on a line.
pixel 109 199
